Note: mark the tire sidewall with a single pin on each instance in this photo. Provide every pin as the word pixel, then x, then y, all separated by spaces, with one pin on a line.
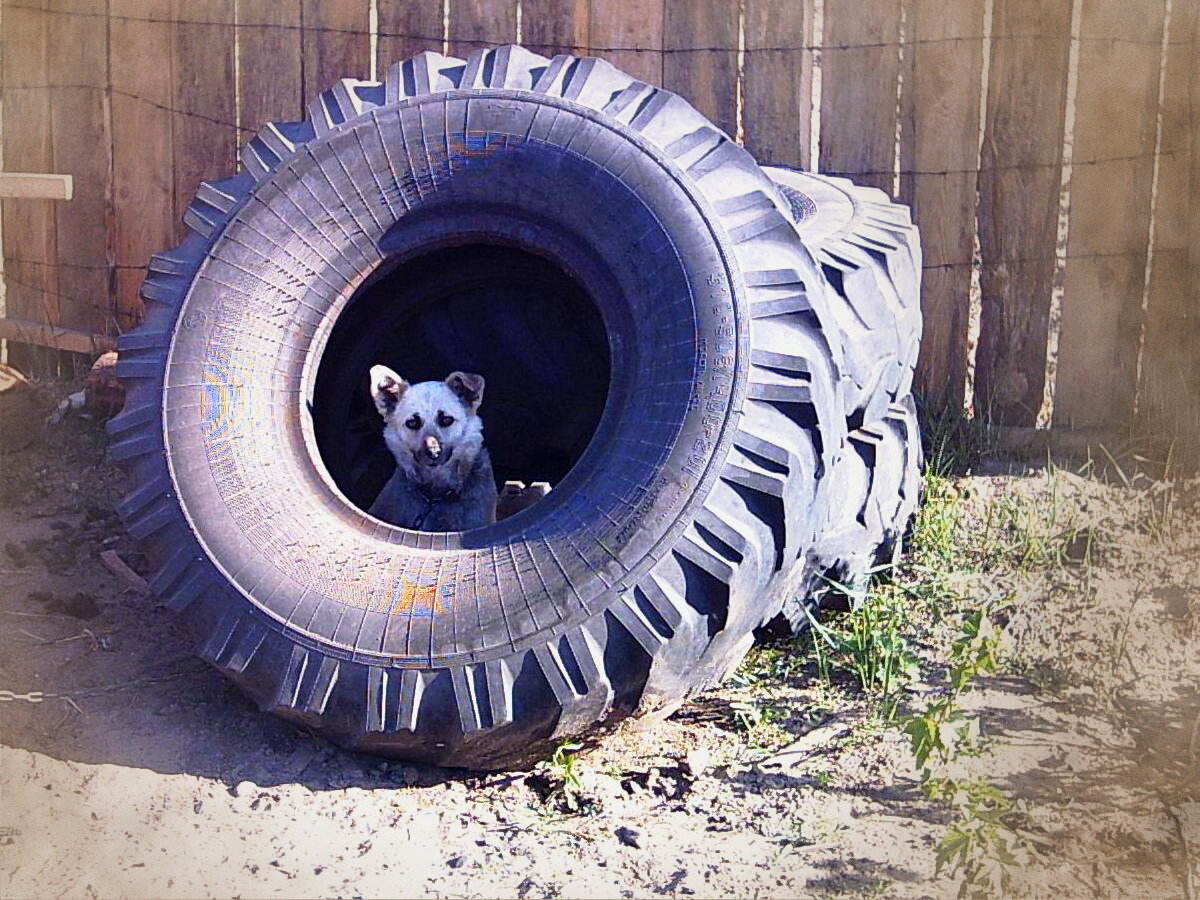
pixel 347 538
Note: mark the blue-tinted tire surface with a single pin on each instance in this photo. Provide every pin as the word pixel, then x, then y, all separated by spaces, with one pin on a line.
pixel 759 432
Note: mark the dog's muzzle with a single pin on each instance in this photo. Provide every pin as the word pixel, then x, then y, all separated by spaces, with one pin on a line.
pixel 432 452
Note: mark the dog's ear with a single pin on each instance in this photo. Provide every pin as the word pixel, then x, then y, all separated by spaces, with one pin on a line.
pixel 468 388
pixel 386 389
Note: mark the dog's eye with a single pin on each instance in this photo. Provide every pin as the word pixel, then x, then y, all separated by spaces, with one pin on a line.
pixel 444 421
pixel 413 422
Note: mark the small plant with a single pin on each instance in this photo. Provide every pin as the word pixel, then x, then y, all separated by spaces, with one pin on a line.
pixel 756 720
pixel 868 642
pixel 936 529
pixel 563 774
pixel 943 731
pixel 953 441
pixel 822 778
pixel 982 844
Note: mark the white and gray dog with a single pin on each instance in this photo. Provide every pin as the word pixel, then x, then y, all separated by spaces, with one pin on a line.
pixel 443 479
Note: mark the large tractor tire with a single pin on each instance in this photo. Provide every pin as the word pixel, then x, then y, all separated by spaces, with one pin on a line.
pixel 720 356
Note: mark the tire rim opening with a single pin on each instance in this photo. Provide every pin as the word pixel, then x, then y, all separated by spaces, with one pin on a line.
pixel 514 317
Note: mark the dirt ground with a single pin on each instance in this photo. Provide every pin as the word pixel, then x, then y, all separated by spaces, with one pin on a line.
pixel 141 774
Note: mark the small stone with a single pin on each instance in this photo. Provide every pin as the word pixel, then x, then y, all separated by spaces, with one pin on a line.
pixel 198 807
pixel 244 788
pixel 630 837
pixel 456 862
pixel 697 761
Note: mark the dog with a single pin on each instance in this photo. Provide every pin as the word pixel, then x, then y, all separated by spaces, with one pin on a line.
pixel 443 479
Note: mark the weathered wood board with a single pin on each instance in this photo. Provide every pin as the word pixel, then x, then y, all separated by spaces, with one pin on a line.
pixel 777 88
pixel 550 27
pixel 1120 54
pixel 30 237
pixel 481 23
pixel 35 186
pixel 630 36
pixel 268 64
pixel 860 71
pixel 204 133
pixel 939 159
pixel 335 42
pixel 1019 180
pixel 700 44
pixel 1169 390
pixel 407 28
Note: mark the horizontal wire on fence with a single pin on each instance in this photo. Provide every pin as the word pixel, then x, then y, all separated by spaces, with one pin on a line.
pixel 439 38
pixel 857 173
pixel 74 301
pixel 91 267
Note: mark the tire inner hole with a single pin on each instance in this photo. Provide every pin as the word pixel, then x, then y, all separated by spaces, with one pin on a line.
pixel 514 317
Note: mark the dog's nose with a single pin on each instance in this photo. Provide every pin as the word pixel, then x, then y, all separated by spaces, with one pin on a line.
pixel 433 447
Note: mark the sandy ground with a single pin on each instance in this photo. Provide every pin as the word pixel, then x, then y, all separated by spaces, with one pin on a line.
pixel 141 774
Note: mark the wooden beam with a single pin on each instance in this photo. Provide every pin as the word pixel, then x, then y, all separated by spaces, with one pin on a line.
pixel 25 332
pixel 35 186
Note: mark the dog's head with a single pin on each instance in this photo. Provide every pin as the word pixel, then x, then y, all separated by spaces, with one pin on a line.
pixel 432 428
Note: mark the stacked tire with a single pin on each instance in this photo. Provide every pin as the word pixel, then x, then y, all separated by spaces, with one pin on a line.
pixel 759 439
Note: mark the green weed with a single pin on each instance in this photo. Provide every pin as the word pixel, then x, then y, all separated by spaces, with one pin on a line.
pixel 943 731
pixel 1028 533
pixel 564 775
pixel 982 845
pixel 953 441
pixel 868 642
pixel 936 532
pixel 758 721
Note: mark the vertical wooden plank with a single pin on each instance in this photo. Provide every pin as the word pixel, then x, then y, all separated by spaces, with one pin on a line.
pixel 1021 170
pixel 556 26
pixel 1191 450
pixel 140 59
pixel 629 34
pixel 1116 109
pixel 3 289
pixel 700 43
pixel 860 68
pixel 268 60
pixel 1194 221
pixel 31 276
pixel 336 43
pixel 777 85
pixel 481 23
pixel 78 67
pixel 406 27
pixel 939 158
pixel 1169 392
pixel 1194 248
pixel 204 133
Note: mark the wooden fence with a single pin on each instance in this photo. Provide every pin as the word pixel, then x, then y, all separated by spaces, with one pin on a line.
pixel 1048 149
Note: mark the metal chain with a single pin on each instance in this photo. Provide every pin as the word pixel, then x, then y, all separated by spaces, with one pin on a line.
pixel 31 697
